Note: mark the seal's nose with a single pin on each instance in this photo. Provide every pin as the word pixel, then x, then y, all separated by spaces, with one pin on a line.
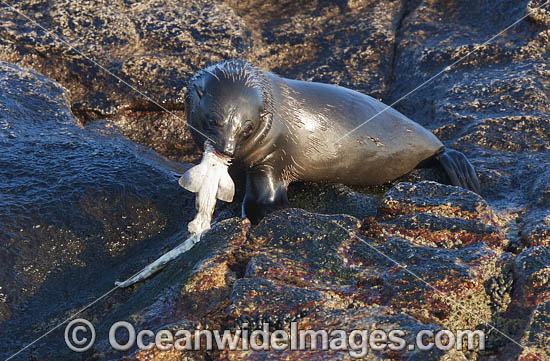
pixel 229 149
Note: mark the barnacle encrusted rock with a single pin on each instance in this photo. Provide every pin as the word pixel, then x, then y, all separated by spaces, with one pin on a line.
pixel 533 267
pixel 536 338
pixel 99 208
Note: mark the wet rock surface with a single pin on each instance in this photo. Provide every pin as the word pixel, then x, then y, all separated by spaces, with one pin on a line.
pixel 431 214
pixel 82 206
pixel 536 335
pixel 533 267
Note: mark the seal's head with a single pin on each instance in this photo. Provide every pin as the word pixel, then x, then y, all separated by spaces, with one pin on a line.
pixel 230 104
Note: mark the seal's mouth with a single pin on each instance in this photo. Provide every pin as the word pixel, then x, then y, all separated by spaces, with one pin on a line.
pixel 223 155
pixel 209 148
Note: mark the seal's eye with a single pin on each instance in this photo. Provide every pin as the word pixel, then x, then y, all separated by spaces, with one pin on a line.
pixel 213 122
pixel 247 129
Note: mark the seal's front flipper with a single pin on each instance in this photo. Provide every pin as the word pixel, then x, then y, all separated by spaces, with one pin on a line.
pixel 265 193
pixel 459 169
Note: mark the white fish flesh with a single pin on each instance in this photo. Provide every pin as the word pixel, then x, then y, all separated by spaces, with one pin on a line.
pixel 210 180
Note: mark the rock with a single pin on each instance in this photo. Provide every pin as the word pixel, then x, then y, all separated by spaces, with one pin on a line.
pixel 324 41
pixel 164 132
pixel 511 134
pixel 435 215
pixel 431 197
pixel 152 48
pixel 313 269
pixel 256 296
pixel 491 104
pixel 426 229
pixel 366 319
pixel 533 268
pixel 81 208
pixel 535 224
pixel 537 337
pixel 155 46
pixel 333 199
pixel 141 43
pixel 536 228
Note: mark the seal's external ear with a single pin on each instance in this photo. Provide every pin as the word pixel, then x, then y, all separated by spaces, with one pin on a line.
pixel 199 91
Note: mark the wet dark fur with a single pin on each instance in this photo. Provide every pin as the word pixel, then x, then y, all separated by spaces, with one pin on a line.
pixel 283 130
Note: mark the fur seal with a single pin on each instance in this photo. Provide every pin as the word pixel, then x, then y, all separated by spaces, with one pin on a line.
pixel 283 130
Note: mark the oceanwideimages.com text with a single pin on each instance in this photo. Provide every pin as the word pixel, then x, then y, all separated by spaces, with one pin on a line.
pixel 80 336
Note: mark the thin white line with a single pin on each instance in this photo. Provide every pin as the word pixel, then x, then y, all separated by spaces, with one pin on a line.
pixel 433 287
pixel 447 68
pixel 62 323
pixel 168 111
pixel 107 71
pixel 71 47
pixel 73 316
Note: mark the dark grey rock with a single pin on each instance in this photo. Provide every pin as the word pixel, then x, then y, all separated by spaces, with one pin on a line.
pixel 83 207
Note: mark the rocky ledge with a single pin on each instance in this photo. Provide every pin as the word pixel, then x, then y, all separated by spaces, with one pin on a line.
pixel 92 130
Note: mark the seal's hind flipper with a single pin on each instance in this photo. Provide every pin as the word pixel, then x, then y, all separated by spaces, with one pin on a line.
pixel 459 169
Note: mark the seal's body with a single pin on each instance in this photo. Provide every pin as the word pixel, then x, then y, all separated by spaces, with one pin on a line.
pixel 314 116
pixel 285 130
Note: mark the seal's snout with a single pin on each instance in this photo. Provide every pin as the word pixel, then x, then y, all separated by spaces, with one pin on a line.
pixel 228 149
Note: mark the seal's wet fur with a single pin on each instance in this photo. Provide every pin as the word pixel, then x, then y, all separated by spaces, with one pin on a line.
pixel 283 130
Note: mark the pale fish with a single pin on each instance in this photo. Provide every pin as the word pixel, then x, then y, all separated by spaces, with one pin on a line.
pixel 210 180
